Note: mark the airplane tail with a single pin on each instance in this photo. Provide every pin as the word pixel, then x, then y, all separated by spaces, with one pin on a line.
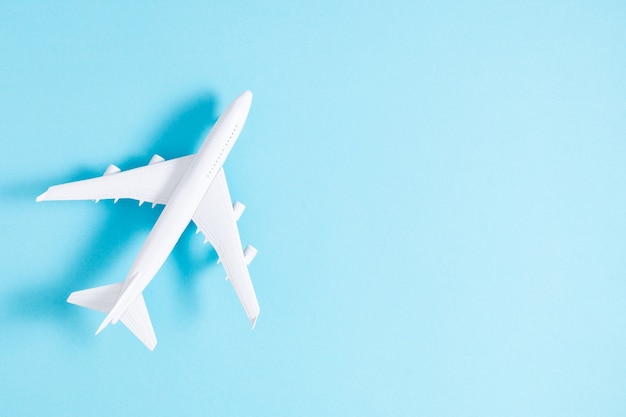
pixel 136 316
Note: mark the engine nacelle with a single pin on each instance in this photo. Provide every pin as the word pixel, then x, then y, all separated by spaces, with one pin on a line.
pixel 156 159
pixel 111 169
pixel 238 209
pixel 249 253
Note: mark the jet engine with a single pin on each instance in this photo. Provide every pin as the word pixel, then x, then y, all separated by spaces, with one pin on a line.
pixel 249 253
pixel 238 209
pixel 156 159
pixel 111 169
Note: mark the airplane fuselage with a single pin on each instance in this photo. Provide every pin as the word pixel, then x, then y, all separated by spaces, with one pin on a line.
pixel 182 204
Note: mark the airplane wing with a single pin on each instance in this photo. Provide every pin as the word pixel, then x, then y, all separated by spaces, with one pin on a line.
pixel 153 183
pixel 215 218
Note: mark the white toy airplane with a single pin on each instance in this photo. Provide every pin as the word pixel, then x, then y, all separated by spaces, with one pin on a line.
pixel 192 188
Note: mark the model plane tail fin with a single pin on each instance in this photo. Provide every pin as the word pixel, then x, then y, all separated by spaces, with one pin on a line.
pixel 103 299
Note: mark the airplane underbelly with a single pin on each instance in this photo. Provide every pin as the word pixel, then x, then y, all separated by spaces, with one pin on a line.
pixel 165 234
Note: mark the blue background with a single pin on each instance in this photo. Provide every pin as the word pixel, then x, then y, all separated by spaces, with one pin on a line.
pixel 436 191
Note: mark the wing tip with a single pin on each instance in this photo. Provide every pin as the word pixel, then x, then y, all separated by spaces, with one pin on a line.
pixel 71 298
pixel 41 197
pixel 253 321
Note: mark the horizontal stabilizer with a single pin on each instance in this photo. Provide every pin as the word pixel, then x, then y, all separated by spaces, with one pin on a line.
pixel 99 298
pixel 135 318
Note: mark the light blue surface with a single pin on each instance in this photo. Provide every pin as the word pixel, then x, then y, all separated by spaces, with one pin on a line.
pixel 437 193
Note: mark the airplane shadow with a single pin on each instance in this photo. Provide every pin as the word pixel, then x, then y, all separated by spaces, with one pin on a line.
pixel 121 224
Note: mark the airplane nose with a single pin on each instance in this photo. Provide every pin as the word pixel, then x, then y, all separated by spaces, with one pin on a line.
pixel 246 97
